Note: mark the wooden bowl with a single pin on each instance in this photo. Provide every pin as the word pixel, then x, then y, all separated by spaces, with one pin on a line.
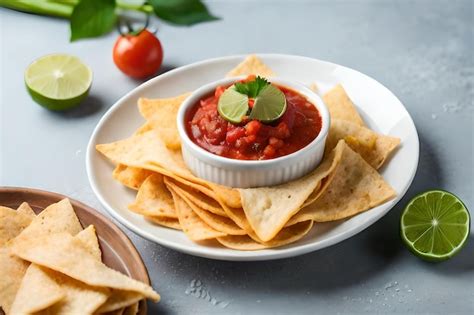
pixel 118 252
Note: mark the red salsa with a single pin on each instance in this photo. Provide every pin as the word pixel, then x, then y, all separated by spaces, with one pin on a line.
pixel 252 139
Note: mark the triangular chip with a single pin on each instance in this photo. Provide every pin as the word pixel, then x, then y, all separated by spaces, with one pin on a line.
pixel 217 222
pixel 354 188
pixel 148 151
pixel 43 287
pixel 373 147
pixel 165 221
pixel 285 236
pixel 251 65
pixel 161 115
pixel 129 176
pixel 201 200
pixel 80 297
pixel 119 300
pixel 269 208
pixel 26 209
pixel 37 292
pixel 341 107
pixel 12 223
pixel 193 226
pixel 132 309
pixel 56 218
pixel 12 271
pixel 154 199
pixel 89 240
pixel 60 252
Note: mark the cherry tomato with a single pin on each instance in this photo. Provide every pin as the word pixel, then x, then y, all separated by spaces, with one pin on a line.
pixel 138 56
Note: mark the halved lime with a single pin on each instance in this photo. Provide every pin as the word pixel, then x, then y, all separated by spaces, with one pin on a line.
pixel 270 104
pixel 232 105
pixel 58 81
pixel 435 225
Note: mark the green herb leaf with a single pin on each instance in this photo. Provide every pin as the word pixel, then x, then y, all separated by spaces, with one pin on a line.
pixel 252 88
pixel 92 18
pixel 182 12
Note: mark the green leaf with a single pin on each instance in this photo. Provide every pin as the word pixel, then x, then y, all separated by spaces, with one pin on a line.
pixel 92 18
pixel 252 88
pixel 182 12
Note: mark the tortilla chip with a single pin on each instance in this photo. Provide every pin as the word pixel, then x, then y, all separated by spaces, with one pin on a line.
pixel 269 208
pixel 341 107
pixel 119 300
pixel 89 240
pixel 12 223
pixel 143 128
pixel 13 270
pixel 201 200
pixel 161 115
pixel 230 196
pixel 217 222
pixel 56 218
pixel 80 297
pixel 165 221
pixel 75 297
pixel 132 309
pixel 116 312
pixel 373 147
pixel 154 199
pixel 251 65
pixel 192 225
pixel 26 209
pixel 148 151
pixel 285 236
pixel 354 188
pixel 132 177
pixel 37 292
pixel 60 252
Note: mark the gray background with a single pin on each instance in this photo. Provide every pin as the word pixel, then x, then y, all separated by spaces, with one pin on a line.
pixel 421 50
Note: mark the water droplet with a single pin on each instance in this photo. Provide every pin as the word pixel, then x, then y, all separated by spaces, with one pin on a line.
pixel 410 290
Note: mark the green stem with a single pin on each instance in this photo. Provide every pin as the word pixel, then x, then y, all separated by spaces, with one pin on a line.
pixel 61 8
pixel 39 7
pixel 146 8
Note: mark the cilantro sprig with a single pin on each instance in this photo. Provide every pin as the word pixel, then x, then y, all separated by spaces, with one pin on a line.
pixel 252 88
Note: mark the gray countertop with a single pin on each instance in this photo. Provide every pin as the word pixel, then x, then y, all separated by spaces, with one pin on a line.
pixel 421 50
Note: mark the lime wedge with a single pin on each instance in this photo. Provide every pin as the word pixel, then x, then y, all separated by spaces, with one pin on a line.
pixel 232 105
pixel 435 225
pixel 58 81
pixel 270 104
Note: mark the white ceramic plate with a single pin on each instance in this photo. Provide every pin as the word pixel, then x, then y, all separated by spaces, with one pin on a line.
pixel 380 109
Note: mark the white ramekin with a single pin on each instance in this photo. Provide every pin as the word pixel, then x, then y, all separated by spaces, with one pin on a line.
pixel 243 173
